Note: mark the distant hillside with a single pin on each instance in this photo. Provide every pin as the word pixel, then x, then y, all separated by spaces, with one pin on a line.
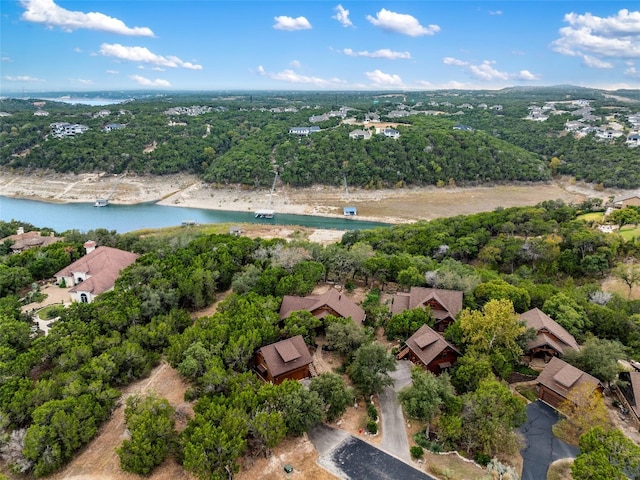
pixel 243 138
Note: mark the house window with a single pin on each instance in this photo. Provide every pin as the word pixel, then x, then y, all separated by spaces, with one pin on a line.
pixel 84 298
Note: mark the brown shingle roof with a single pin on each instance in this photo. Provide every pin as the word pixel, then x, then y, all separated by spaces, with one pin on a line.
pixel 332 299
pixel 541 322
pixel 103 266
pixel 561 377
pixel 634 384
pixel 285 356
pixel 23 241
pixel 450 300
pixel 427 344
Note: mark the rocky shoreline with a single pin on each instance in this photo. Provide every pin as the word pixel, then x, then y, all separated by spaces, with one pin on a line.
pixel 386 205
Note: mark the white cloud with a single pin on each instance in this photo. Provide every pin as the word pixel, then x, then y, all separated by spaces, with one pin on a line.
pixel 6 59
pixel 148 82
pixel 381 79
pixel 158 69
pixel 144 55
pixel 293 77
pixel 50 14
pixel 595 62
pixel 486 72
pixel 295 63
pixel 495 12
pixel 81 81
pixel 596 38
pixel 77 50
pixel 526 75
pixel 454 61
pixel 401 23
pixel 113 72
pixel 22 78
pixel 632 71
pixel 382 53
pixel 291 24
pixel 342 16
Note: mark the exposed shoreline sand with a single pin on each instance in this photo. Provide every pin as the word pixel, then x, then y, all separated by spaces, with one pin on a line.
pixel 385 205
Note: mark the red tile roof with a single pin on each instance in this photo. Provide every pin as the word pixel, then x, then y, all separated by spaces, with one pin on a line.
pixel 103 266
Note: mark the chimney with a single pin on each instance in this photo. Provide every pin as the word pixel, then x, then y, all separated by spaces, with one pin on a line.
pixel 89 246
pixel 20 230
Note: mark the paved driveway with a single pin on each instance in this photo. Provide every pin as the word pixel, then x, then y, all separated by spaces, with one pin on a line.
pixel 394 433
pixel 542 447
pixel 350 458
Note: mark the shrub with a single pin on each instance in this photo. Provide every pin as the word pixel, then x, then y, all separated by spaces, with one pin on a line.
pixel 372 412
pixel 481 458
pixel 416 452
pixel 372 427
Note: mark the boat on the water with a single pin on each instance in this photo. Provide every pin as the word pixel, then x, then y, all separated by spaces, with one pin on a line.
pixel 264 214
pixel 101 202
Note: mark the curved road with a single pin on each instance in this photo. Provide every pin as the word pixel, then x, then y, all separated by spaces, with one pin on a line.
pixel 394 433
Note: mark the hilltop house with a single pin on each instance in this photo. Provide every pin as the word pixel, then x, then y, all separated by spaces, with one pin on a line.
pixel 559 379
pixel 444 304
pixel 391 133
pixel 22 241
pixel 430 350
pixel 287 359
pixel 551 338
pixel 303 131
pixel 359 133
pixel 332 302
pixel 94 273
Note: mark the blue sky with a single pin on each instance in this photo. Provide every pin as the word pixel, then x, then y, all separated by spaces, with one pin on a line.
pixel 53 45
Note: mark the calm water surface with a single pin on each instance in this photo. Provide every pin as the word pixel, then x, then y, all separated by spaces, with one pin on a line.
pixel 127 218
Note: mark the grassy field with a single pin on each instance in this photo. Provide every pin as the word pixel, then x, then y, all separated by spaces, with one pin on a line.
pixel 629 232
pixel 592 217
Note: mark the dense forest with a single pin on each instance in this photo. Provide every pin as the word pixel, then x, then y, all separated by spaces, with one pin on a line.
pixel 58 389
pixel 243 139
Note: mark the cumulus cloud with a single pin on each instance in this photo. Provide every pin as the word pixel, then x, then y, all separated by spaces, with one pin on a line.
pixel 595 62
pixel 81 81
pixel 22 78
pixel 342 16
pixel 113 72
pixel 6 59
pixel 293 77
pixel 291 24
pixel 454 61
pixel 632 71
pixel 140 80
pixel 384 80
pixel 401 23
pixel 486 71
pixel 295 63
pixel 382 53
pixel 596 38
pixel 495 12
pixel 48 13
pixel 144 55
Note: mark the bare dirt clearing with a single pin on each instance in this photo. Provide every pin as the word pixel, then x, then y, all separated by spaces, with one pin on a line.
pixel 98 460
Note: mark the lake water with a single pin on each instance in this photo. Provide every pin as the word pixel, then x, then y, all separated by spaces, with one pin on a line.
pixel 127 218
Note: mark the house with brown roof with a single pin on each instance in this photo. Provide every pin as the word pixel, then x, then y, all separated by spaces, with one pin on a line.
pixel 22 240
pixel 429 349
pixel 559 378
pixel 551 338
pixel 94 273
pixel 286 359
pixel 444 304
pixel 332 302
pixel 631 391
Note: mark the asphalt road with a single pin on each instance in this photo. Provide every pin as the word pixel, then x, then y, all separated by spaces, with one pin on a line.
pixel 542 447
pixel 350 458
pixel 394 433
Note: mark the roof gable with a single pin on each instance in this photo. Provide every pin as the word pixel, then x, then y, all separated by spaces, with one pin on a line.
pixel 285 356
pixel 561 377
pixel 316 304
pixel 449 300
pixel 541 322
pixel 427 344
